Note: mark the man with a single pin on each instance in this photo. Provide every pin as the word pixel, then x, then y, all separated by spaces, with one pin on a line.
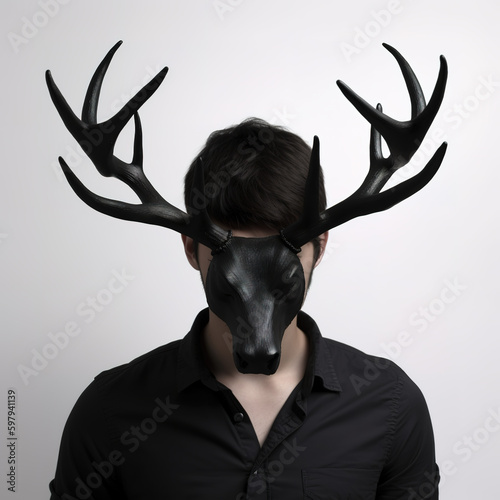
pixel 260 191
pixel 183 422
pixel 204 417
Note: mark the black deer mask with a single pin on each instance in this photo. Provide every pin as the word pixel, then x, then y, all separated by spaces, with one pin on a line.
pixel 255 285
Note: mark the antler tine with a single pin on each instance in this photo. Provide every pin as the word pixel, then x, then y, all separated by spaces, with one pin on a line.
pixel 403 139
pixel 98 141
pixel 132 106
pixel 298 233
pixel 381 122
pixel 417 97
pixel 311 202
pixel 89 111
pixel 375 142
pixel 380 167
pixel 138 157
pixel 429 113
pixel 70 120
pixel 133 173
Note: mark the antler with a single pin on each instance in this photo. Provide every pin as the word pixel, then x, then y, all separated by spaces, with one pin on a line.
pixel 98 141
pixel 403 139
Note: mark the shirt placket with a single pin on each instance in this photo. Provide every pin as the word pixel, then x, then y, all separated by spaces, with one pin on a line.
pixel 260 478
pixel 257 485
pixel 287 422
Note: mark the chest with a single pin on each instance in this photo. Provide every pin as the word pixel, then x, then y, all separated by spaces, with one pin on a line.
pixel 199 453
pixel 262 407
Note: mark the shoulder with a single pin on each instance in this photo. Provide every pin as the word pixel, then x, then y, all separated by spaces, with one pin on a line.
pixel 366 373
pixel 147 374
pixel 123 387
pixel 379 384
pixel 158 359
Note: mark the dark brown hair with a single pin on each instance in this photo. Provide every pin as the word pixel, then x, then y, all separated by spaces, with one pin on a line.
pixel 255 175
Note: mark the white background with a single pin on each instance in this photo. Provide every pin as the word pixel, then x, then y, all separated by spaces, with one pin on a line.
pixel 417 283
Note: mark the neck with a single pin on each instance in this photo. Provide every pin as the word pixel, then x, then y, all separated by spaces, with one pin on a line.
pixel 218 350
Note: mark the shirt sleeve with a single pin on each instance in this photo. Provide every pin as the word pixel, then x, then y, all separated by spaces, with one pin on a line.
pixel 88 466
pixel 410 470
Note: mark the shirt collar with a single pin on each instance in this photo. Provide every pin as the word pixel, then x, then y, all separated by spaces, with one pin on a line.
pixel 192 367
pixel 320 364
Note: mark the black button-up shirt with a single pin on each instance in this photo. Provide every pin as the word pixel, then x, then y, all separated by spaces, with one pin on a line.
pixel 162 427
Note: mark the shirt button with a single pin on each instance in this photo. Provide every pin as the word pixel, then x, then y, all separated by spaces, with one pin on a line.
pixel 238 417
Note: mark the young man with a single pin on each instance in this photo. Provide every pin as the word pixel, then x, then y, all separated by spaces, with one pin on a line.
pixel 261 173
pixel 183 422
pixel 237 409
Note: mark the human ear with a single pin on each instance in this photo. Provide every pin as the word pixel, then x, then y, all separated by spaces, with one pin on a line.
pixel 323 239
pixel 190 251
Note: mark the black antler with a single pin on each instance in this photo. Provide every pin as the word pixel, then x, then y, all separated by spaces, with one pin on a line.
pixel 403 140
pixel 98 141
